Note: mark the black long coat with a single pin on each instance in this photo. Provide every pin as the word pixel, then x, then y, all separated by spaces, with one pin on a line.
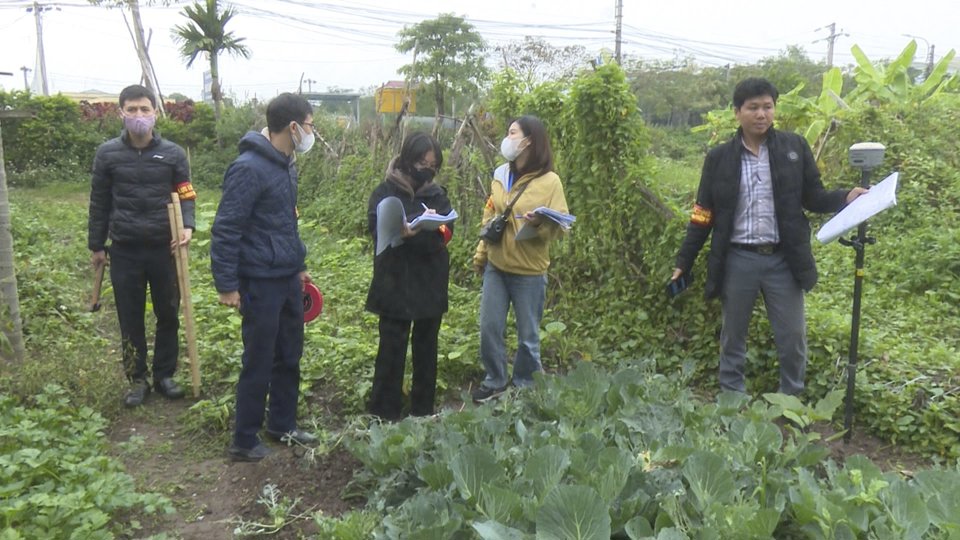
pixel 410 280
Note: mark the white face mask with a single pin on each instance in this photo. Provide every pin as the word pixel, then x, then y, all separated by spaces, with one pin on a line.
pixel 306 140
pixel 510 148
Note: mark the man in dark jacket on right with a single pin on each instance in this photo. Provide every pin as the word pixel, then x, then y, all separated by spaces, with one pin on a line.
pixel 258 263
pixel 753 190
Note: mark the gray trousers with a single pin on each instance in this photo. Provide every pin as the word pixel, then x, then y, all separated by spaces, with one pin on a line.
pixel 747 274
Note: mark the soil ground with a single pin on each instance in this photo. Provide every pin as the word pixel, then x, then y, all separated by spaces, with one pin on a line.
pixel 212 494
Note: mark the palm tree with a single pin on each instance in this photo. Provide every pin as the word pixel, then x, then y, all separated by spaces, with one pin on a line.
pixel 206 33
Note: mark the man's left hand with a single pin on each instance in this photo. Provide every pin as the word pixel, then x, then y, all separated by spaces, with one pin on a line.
pixel 304 279
pixel 855 192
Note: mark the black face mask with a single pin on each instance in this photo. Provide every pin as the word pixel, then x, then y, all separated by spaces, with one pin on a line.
pixel 422 176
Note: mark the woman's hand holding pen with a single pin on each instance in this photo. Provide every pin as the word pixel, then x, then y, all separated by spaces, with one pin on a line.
pixel 407 231
pixel 531 218
pixel 427 210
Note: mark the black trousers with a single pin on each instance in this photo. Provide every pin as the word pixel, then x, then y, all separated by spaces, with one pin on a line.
pixel 386 398
pixel 132 267
pixel 272 329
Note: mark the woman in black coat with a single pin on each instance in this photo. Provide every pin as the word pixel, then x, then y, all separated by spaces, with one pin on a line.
pixel 409 286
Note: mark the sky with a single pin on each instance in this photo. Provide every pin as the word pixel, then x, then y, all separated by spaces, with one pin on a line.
pixel 349 44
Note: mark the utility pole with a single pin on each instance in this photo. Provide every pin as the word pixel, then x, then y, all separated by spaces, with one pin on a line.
pixel 26 85
pixel 619 16
pixel 37 11
pixel 139 43
pixel 830 40
pixel 929 67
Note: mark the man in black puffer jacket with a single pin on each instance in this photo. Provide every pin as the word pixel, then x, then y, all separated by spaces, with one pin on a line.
pixel 258 264
pixel 133 177
pixel 752 194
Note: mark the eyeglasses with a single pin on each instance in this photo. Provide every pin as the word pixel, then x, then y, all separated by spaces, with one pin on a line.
pixel 424 164
pixel 310 124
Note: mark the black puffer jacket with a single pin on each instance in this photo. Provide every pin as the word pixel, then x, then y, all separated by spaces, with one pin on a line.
pixel 410 280
pixel 796 186
pixel 130 191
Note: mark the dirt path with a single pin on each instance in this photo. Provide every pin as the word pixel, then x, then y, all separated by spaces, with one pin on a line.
pixel 212 494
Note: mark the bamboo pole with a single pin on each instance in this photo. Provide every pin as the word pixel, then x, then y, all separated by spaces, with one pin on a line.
pixel 183 281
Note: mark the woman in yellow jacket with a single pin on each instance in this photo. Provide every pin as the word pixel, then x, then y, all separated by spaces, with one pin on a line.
pixel 515 271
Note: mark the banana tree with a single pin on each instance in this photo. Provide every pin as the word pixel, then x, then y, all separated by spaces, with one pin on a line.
pixel 891 84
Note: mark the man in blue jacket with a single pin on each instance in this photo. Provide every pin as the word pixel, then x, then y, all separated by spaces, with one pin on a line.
pixel 258 263
pixel 133 176
pixel 753 190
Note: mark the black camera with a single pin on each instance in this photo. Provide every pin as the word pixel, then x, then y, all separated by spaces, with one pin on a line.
pixel 492 232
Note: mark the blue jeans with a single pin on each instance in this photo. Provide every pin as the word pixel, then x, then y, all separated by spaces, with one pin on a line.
pixel 526 293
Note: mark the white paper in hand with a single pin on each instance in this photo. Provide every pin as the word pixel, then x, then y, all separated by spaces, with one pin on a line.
pixel 879 198
pixel 432 222
pixel 528 231
pixel 390 218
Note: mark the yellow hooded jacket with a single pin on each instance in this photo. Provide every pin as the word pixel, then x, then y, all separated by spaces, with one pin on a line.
pixel 524 257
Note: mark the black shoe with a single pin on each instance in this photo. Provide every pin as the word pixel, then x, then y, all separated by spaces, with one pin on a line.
pixel 256 453
pixel 168 388
pixel 297 436
pixel 138 392
pixel 482 394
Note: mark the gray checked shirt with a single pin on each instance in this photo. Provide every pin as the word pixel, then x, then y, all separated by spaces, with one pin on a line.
pixel 755 220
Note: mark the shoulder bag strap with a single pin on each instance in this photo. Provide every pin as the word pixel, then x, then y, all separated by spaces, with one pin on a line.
pixel 509 208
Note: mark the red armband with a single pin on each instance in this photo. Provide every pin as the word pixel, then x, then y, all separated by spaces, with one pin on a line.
pixel 701 217
pixel 446 233
pixel 186 192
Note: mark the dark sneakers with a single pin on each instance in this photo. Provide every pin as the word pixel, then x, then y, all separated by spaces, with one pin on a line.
pixel 298 436
pixel 483 394
pixel 256 453
pixel 168 388
pixel 137 393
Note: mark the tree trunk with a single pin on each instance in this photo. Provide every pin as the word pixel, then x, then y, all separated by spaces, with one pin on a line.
pixel 215 84
pixel 145 63
pixel 10 323
pixel 215 90
pixel 438 95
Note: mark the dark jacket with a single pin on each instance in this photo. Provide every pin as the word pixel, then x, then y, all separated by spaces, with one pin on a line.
pixel 410 280
pixel 130 190
pixel 255 232
pixel 796 186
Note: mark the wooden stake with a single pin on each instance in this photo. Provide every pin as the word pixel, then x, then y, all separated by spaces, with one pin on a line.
pixel 183 281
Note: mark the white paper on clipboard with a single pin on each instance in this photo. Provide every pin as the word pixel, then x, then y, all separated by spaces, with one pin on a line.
pixel 879 198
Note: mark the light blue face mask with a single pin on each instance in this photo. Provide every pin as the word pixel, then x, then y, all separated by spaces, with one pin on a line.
pixel 510 148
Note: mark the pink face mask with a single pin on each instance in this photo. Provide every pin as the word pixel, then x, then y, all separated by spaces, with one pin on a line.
pixel 139 125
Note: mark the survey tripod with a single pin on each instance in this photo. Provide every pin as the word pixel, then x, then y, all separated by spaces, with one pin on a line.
pixel 866 157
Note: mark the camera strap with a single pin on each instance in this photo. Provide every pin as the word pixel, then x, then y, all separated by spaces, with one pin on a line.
pixel 509 208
